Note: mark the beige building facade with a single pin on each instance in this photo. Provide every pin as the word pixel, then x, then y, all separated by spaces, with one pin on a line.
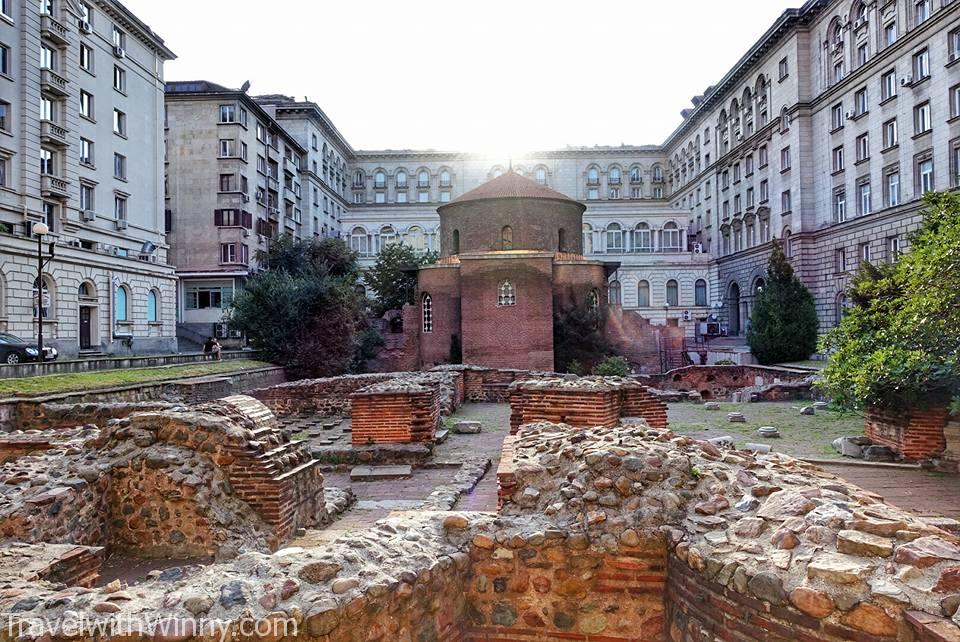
pixel 81 112
pixel 824 136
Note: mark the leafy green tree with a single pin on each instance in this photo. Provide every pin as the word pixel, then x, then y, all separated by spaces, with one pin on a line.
pixel 304 311
pixel 393 277
pixel 899 344
pixel 783 326
pixel 578 338
pixel 612 367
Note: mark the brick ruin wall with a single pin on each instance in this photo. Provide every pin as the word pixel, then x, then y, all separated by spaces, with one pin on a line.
pixel 183 482
pixel 327 396
pixel 606 535
pixel 918 433
pixel 720 382
pixel 395 414
pixel 584 402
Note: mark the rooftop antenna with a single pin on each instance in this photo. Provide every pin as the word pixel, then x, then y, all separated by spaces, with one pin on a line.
pixel 245 86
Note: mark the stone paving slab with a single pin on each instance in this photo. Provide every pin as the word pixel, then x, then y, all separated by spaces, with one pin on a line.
pixel 923 492
pixel 371 473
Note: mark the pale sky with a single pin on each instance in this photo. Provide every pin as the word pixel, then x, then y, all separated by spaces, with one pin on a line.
pixel 492 76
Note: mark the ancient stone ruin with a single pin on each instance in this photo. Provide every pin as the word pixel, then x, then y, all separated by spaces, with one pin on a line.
pixel 614 532
pixel 178 482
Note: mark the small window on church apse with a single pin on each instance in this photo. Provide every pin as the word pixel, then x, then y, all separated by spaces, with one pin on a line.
pixel 506 294
pixel 506 238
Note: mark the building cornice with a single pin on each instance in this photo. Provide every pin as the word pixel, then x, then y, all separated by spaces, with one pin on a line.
pixel 233 94
pixel 133 24
pixel 784 25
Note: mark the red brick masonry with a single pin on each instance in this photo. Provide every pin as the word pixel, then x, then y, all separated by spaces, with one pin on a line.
pixel 584 403
pixel 395 414
pixel 915 434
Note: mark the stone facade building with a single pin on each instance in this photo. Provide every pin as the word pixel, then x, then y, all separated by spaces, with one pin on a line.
pixel 824 135
pixel 81 107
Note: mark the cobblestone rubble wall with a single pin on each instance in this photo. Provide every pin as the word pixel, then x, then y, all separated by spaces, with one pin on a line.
pixel 332 395
pixel 605 535
pixel 916 434
pixel 761 547
pixel 719 382
pixel 205 480
pixel 490 385
pixel 52 416
pixel 583 402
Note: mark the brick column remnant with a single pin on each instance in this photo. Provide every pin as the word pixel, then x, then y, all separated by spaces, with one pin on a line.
pixel 584 403
pixel 395 412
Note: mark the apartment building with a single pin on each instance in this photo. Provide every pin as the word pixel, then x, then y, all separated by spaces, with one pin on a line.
pixel 234 181
pixel 824 135
pixel 81 107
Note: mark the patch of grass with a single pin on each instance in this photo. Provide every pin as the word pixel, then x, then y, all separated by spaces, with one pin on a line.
pixel 49 384
pixel 800 436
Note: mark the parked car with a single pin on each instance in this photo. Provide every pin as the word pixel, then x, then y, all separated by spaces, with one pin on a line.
pixel 15 350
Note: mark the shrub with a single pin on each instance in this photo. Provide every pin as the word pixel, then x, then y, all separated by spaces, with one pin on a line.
pixel 578 336
pixel 724 362
pixel 574 367
pixel 899 343
pixel 783 326
pixel 612 367
pixel 304 312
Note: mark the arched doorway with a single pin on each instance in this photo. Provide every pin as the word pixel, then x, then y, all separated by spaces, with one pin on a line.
pixel 733 310
pixel 88 314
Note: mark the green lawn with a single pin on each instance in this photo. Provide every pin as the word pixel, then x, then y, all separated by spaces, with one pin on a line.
pixel 801 436
pixel 30 386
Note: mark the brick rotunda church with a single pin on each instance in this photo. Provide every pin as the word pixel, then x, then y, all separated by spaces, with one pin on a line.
pixel 512 252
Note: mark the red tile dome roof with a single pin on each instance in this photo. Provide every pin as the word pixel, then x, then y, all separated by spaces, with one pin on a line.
pixel 510 185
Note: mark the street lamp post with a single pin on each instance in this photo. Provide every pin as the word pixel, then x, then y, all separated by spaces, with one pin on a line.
pixel 39 230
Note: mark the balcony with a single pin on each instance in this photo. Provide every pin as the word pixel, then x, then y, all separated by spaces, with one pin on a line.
pixel 53 30
pixel 54 187
pixel 54 83
pixel 593 182
pixel 53 134
pixel 423 185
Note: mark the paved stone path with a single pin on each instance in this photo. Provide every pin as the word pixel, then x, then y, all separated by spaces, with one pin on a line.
pixel 926 493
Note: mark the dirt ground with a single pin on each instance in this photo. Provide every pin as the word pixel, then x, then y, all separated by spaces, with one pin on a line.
pixel 801 436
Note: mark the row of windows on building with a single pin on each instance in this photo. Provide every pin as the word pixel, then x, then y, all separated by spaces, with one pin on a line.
pixel 839 61
pixel 671 293
pixel 123 301
pixel 366 243
pixel 615 238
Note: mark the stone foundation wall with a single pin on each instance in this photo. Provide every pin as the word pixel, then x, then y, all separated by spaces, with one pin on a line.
pixel 720 382
pixel 395 413
pixel 35 508
pixel 176 482
pixel 915 434
pixel 53 416
pixel 584 402
pixel 76 408
pixel 328 396
pixel 153 515
pixel 550 586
